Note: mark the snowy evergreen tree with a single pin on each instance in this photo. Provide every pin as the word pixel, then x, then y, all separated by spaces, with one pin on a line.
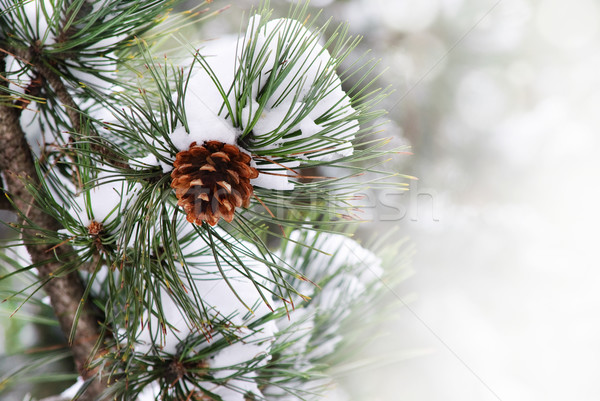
pixel 185 203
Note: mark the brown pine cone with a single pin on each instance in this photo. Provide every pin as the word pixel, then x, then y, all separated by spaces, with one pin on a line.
pixel 211 180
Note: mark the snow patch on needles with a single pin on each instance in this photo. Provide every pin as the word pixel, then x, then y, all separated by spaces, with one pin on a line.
pixel 344 270
pixel 224 363
pixel 307 69
pixel 42 17
pixel 103 202
pixel 296 342
pixel 273 92
pixel 299 83
pixel 38 13
pixel 220 303
pixel 330 255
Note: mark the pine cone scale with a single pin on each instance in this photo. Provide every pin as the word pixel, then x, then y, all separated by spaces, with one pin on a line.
pixel 234 176
pixel 208 167
pixel 212 180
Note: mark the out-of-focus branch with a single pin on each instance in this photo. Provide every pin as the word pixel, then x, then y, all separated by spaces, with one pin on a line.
pixel 66 292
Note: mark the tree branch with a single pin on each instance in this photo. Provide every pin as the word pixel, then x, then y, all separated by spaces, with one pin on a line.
pixel 66 292
pixel 62 94
pixel 74 112
pixel 31 56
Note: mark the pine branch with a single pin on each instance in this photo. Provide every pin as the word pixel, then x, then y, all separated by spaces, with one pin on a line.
pixel 66 292
pixel 62 94
pixel 32 57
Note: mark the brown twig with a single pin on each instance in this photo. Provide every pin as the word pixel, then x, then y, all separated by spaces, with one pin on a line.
pixel 62 94
pixel 66 292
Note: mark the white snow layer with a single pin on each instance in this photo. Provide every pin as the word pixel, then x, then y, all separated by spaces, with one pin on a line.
pixel 351 268
pixel 71 392
pixel 332 302
pixel 150 392
pixel 338 254
pixel 30 115
pixel 105 200
pixel 41 14
pixel 38 13
pixel 220 302
pixel 285 109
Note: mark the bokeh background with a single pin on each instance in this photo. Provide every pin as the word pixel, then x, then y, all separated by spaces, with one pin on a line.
pixel 500 102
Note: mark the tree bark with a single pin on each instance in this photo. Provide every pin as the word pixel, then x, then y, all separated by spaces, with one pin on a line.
pixel 66 291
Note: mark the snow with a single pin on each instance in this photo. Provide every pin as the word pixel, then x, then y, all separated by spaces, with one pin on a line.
pixel 315 3
pixel 297 330
pixel 269 121
pixel 337 253
pixel 30 121
pixel 97 290
pixel 235 389
pixel 105 199
pixel 168 341
pixel 235 356
pixel 146 161
pixel 204 126
pixel 279 182
pixel 249 111
pixel 150 392
pixel 332 303
pixel 307 62
pixel 71 392
pixel 203 100
pixel 38 13
pixel 347 269
pixel 287 109
pixel 206 120
pixel 219 302
pixel 216 292
pixel 17 252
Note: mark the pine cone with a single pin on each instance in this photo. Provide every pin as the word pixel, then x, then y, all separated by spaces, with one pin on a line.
pixel 210 181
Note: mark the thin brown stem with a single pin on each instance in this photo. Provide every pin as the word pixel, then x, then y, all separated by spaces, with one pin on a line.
pixel 63 95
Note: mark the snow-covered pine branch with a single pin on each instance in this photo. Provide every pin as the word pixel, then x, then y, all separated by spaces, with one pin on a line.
pixel 189 194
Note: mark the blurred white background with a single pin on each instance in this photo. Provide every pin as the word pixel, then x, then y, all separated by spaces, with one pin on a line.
pixel 500 102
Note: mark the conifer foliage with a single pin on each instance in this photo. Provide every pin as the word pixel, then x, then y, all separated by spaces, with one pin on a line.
pixel 183 203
